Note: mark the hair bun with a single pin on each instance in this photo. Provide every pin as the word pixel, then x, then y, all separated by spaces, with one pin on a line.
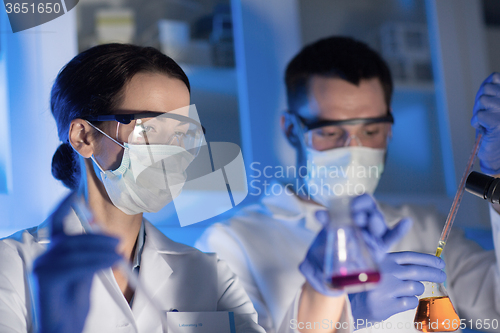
pixel 65 166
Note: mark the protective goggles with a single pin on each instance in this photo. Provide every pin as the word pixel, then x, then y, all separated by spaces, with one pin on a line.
pixel 180 127
pixel 328 134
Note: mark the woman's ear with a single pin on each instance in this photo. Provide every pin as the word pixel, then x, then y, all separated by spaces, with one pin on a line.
pixel 288 128
pixel 80 137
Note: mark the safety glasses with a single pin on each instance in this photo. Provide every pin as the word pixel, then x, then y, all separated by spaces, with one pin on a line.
pixel 329 134
pixel 180 127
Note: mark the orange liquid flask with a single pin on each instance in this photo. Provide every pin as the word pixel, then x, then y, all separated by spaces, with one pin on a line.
pixel 435 312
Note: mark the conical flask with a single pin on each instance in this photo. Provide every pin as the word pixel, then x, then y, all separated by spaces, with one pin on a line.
pixel 435 312
pixel 348 263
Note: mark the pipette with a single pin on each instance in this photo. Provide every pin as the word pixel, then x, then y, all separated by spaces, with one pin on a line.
pixel 458 198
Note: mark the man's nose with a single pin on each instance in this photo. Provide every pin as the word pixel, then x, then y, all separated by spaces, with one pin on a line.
pixel 352 141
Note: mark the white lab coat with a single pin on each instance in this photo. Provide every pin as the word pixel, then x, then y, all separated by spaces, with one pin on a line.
pixel 265 242
pixel 178 276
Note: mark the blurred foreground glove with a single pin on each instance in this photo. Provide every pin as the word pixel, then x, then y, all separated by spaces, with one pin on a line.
pixel 486 118
pixel 64 274
pixel 378 237
pixel 399 285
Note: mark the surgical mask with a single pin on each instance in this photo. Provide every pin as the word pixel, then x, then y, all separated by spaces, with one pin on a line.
pixel 345 171
pixel 148 178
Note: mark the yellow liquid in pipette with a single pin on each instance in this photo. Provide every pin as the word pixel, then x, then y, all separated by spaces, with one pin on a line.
pixel 440 248
pixel 458 197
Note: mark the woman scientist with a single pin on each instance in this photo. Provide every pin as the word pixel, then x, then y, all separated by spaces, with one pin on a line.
pixel 128 134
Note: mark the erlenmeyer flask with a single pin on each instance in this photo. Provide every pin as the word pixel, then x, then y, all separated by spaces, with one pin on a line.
pixel 348 263
pixel 435 312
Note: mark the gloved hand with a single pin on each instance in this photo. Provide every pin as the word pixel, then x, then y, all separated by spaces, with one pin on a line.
pixel 399 285
pixel 379 238
pixel 64 274
pixel 376 234
pixel 486 118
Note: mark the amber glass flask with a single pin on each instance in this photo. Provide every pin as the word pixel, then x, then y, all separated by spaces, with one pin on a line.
pixel 435 312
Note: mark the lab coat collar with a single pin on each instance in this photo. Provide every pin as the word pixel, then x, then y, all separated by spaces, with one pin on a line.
pixel 156 269
pixel 153 275
pixel 139 247
pixel 285 205
pixel 162 243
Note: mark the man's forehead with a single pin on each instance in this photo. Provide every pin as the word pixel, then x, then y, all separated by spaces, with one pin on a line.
pixel 338 99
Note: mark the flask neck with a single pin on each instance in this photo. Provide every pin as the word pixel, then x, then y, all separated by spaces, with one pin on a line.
pixel 340 212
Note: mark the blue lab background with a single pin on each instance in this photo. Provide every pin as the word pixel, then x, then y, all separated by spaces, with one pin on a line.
pixel 242 104
pixel 432 137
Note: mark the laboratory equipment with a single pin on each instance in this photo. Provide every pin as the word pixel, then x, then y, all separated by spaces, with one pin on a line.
pixel 348 263
pixel 483 186
pixel 458 198
pixel 435 312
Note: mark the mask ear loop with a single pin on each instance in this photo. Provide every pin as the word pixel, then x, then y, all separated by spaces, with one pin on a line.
pixel 115 141
pixel 106 135
pixel 117 128
pixel 389 137
pixel 93 160
pixel 297 128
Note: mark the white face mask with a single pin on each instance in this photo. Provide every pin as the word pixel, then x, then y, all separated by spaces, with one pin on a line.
pixel 148 178
pixel 343 171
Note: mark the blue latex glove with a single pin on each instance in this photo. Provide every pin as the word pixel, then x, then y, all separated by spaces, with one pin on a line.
pixel 399 285
pixel 64 274
pixel 486 118
pixel 376 234
pixel 378 237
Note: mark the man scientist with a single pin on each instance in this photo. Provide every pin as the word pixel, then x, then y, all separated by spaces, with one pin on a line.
pixel 339 118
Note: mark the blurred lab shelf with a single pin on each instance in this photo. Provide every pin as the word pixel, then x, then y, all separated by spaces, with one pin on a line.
pixel 215 79
pixel 417 87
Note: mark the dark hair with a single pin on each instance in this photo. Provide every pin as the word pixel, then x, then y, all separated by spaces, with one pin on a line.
pixel 92 84
pixel 341 57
